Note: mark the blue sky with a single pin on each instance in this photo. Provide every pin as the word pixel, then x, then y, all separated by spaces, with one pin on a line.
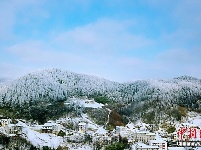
pixel 120 40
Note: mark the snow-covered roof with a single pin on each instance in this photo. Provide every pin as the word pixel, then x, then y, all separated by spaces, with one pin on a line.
pixel 82 123
pixel 151 134
pixel 142 145
pixel 11 135
pixel 5 119
pixel 48 124
pixel 11 125
pixel 101 130
pixel 157 141
pixel 51 121
pixel 84 103
pixel 41 139
pixel 130 125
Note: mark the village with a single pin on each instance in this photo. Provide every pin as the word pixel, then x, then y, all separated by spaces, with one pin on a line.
pixel 87 135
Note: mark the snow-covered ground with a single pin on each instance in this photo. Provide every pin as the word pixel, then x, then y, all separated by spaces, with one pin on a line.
pixel 84 103
pixel 194 118
pixel 40 139
pixel 1 146
pixel 80 147
pixel 43 139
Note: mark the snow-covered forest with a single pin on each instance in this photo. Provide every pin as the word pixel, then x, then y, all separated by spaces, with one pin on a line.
pixel 151 100
pixel 55 84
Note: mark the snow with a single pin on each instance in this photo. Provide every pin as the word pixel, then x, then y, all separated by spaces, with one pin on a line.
pixel 79 147
pixel 130 125
pixel 84 103
pixel 57 84
pixel 194 118
pixel 142 145
pixel 101 130
pixel 40 139
pixel 1 146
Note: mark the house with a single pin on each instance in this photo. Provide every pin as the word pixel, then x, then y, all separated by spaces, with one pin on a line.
pixel 174 136
pixel 141 146
pixel 115 137
pixel 130 126
pixel 82 127
pixel 122 131
pixel 47 128
pixel 56 128
pixel 102 138
pixel 160 143
pixel 151 136
pixel 51 127
pixel 13 129
pixel 59 121
pixel 144 136
pixel 4 122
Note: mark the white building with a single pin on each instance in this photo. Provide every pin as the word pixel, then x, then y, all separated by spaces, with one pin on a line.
pixel 51 127
pixel 47 128
pixel 160 143
pixel 122 131
pixel 82 127
pixel 135 135
pixel 144 136
pixel 56 128
pixel 5 122
pixel 13 129
pixel 141 146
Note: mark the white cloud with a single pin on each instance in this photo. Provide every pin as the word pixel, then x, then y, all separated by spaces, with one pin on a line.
pixel 9 11
pixel 103 48
pixel 12 71
pixel 39 52
pixel 177 62
pixel 179 56
pixel 105 35
pixel 100 48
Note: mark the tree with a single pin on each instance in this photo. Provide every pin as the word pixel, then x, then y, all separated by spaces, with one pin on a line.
pixel 116 146
pixel 171 129
pixel 61 133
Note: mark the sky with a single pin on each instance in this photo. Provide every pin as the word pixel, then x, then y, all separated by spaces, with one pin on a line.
pixel 120 40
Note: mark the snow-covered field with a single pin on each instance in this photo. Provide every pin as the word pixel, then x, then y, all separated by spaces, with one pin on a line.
pixel 85 103
pixel 40 139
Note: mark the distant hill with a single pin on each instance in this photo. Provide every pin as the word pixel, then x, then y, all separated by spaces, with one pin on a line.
pixel 53 84
pixel 149 99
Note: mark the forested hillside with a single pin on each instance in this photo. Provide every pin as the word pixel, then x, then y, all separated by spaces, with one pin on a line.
pixel 148 99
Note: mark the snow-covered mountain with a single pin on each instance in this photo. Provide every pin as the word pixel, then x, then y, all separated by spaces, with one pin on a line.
pixel 55 84
pixel 167 90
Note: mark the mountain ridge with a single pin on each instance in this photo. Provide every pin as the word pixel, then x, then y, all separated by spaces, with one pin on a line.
pixel 152 99
pixel 58 84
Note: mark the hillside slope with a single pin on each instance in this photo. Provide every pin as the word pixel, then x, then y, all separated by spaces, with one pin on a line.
pixel 53 84
pixel 150 99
